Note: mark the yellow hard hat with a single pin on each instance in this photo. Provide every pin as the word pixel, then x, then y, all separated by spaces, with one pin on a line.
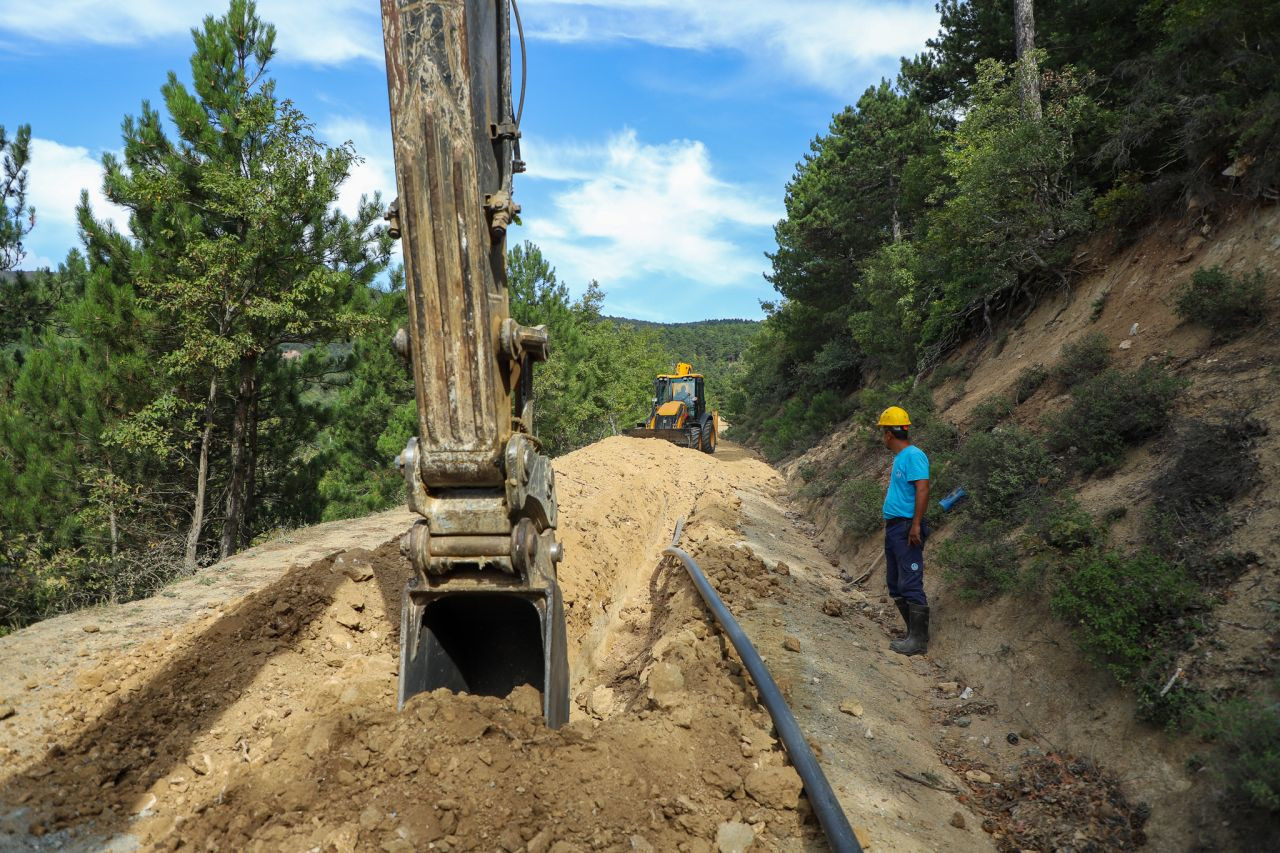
pixel 894 416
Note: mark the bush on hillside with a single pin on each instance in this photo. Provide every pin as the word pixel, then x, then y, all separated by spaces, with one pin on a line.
pixel 1190 498
pixel 937 438
pixel 37 582
pixel 916 399
pixel 1067 527
pixel 1005 473
pixel 1125 609
pixel 800 423
pixel 1111 411
pixel 1249 733
pixel 1226 304
pixel 990 412
pixel 1083 358
pixel 978 567
pixel 1029 382
pixel 861 506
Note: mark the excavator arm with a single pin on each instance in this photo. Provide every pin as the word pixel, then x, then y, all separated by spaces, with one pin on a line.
pixel 482 612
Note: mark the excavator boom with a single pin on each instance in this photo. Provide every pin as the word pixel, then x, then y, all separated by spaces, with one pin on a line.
pixel 482 612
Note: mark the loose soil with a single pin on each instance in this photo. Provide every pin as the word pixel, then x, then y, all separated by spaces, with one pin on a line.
pixel 253 706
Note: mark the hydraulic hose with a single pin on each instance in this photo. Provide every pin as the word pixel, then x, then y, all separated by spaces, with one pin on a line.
pixel 823 800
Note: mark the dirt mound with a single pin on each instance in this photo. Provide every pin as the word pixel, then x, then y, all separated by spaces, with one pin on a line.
pixel 268 721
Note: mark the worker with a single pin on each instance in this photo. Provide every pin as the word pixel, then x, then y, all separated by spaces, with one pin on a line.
pixel 905 530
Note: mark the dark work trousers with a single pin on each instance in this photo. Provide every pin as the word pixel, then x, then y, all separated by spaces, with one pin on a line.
pixel 904 562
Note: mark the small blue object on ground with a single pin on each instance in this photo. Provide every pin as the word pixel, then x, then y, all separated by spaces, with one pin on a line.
pixel 957 495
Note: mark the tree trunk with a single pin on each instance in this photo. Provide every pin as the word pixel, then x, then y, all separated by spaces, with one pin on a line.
pixel 202 477
pixel 1024 26
pixel 111 515
pixel 239 443
pixel 251 473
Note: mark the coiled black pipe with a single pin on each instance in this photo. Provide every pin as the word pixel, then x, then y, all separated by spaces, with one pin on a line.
pixel 823 800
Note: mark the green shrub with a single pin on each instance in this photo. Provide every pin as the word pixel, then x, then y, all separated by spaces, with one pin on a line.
pixel 1190 497
pixel 917 399
pixel 990 412
pixel 937 438
pixel 1249 733
pixel 979 568
pixel 1028 382
pixel 1227 305
pixel 1085 357
pixel 860 506
pixel 1126 609
pixel 1127 201
pixel 800 423
pixel 1099 305
pixel 824 483
pixel 1110 411
pixel 1172 708
pixel 1067 527
pixel 945 372
pixel 1005 473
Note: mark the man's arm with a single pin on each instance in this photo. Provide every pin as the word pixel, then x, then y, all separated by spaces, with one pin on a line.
pixel 914 537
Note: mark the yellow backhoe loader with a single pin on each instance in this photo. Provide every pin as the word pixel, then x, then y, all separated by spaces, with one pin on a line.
pixel 680 412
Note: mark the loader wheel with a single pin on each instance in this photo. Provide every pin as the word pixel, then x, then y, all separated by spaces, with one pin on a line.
pixel 694 441
pixel 709 441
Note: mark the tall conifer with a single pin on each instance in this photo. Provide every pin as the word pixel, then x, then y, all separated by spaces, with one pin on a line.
pixel 241 251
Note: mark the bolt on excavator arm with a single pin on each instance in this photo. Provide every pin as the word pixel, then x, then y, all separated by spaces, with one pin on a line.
pixel 482 612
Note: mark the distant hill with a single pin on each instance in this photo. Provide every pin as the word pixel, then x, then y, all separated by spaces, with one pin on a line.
pixel 706 344
pixel 714 347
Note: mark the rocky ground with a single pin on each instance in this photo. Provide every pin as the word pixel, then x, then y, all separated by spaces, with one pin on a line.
pixel 253 707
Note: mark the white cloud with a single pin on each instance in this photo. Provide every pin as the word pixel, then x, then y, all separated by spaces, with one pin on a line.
pixel 824 42
pixel 376 171
pixel 630 211
pixel 55 177
pixel 324 33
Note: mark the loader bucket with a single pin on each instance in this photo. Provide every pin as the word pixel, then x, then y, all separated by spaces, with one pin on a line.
pixel 485 641
pixel 675 436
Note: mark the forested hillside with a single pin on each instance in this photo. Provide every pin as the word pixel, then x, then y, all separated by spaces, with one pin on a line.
pixel 941 205
pixel 939 242
pixel 714 348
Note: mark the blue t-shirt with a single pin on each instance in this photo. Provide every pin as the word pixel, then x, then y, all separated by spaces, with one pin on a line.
pixel 908 466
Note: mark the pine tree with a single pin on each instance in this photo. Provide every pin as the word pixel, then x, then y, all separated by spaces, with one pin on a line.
pixel 239 247
pixel 76 496
pixel 16 216
pixel 373 416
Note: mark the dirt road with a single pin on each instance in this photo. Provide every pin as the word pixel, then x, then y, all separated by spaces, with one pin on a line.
pixel 253 706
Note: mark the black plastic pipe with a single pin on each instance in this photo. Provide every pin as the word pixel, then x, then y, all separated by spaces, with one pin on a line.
pixel 823 800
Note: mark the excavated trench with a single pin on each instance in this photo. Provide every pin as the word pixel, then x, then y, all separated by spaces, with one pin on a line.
pixel 268 721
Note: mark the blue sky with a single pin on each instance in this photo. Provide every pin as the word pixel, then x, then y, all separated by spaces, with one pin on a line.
pixel 659 133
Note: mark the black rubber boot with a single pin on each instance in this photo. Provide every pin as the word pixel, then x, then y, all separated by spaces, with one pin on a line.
pixel 917 640
pixel 905 610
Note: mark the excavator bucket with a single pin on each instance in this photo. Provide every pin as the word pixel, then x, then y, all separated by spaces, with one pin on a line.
pixel 487 642
pixel 483 612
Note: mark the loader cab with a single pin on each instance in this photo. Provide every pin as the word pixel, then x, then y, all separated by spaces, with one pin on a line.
pixel 683 389
pixel 683 386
